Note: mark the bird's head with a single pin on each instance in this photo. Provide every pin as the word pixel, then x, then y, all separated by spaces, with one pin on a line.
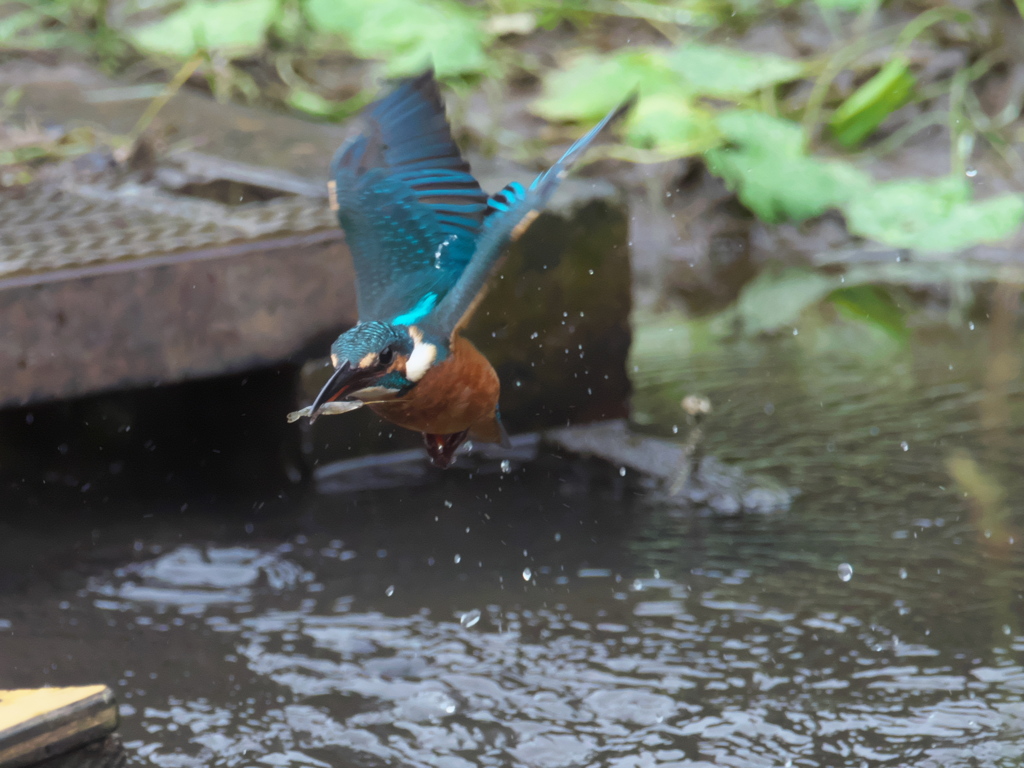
pixel 377 361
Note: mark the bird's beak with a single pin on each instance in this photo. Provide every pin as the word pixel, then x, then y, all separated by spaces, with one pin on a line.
pixel 345 380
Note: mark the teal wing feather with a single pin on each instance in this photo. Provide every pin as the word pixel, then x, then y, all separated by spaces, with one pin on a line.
pixel 410 208
pixel 510 211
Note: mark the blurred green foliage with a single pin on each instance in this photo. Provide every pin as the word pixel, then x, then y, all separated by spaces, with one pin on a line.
pixel 866 109
pixel 232 27
pixel 932 216
pixel 407 33
pixel 792 134
pixel 764 160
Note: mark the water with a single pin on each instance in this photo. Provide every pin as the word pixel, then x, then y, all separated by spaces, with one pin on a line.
pixel 538 619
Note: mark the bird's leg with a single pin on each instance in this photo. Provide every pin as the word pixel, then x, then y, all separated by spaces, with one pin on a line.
pixel 442 448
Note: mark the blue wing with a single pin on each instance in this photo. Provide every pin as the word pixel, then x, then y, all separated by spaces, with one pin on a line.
pixel 410 208
pixel 510 212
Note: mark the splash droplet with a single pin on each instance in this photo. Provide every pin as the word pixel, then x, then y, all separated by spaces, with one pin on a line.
pixel 903 573
pixel 470 618
pixel 905 445
pixel 390 590
pixel 845 571
pixel 458 559
pixel 506 466
pixel 527 574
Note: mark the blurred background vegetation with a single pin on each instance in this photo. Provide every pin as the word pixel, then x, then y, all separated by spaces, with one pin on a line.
pixel 858 158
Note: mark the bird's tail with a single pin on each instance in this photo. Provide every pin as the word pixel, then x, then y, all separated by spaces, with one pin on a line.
pixel 544 185
pixel 491 431
pixel 510 212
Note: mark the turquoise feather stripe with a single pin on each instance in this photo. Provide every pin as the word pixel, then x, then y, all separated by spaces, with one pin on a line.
pixel 421 310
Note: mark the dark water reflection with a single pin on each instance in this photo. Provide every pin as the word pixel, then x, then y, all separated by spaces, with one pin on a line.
pixel 561 619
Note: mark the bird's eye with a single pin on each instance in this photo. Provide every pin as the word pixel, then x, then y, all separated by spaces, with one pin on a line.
pixel 385 356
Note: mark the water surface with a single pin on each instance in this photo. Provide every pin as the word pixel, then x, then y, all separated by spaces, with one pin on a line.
pixel 560 617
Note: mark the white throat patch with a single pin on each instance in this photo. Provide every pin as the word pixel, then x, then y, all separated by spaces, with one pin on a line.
pixel 423 355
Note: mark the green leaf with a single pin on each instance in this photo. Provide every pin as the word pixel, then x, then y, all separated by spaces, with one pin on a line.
pixel 933 216
pixel 33 29
pixel 672 125
pixel 771 174
pixel 846 5
pixel 11 26
pixel 866 108
pixel 872 304
pixel 233 26
pixel 775 300
pixel 719 71
pixel 594 84
pixel 409 34
pixel 761 133
pixel 314 104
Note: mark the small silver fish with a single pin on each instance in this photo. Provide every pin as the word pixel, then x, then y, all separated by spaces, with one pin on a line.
pixel 327 409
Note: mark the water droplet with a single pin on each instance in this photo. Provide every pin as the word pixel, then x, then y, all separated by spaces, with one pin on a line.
pixel 971 325
pixel 558 537
pixel 390 590
pixel 450 709
pixel 1006 629
pixel 903 573
pixel 458 559
pixel 447 503
pixel 971 172
pixel 845 571
pixel 470 618
pixel 506 466
pixel 638 585
pixel 527 574
pixel 622 471
pixel 905 445
pixel 796 332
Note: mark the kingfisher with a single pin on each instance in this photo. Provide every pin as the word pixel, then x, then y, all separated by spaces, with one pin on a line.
pixel 424 239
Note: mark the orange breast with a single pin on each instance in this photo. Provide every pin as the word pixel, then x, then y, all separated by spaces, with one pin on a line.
pixel 459 393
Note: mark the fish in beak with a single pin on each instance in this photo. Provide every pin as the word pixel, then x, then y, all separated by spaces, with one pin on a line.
pixel 345 380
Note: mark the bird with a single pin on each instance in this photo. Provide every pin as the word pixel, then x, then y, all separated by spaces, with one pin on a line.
pixel 425 239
